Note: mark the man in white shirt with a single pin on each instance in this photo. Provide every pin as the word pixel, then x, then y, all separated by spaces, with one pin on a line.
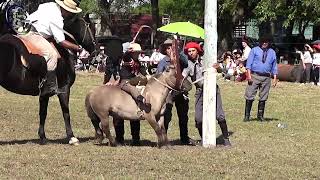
pixel 48 22
pixel 246 50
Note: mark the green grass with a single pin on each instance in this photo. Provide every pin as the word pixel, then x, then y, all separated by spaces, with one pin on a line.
pixel 259 151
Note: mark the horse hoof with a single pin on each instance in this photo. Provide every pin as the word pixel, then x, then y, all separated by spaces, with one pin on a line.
pixel 74 141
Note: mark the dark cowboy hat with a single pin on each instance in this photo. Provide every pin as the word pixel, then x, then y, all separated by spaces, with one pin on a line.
pixel 245 39
pixel 265 39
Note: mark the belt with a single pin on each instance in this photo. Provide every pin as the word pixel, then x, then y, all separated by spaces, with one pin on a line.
pixel 261 74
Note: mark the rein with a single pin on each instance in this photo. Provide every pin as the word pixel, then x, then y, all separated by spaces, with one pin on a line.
pixel 88 29
pixel 166 85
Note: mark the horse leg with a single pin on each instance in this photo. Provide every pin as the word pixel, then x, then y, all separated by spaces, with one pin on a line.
pixel 64 104
pixel 153 123
pixel 43 101
pixel 98 132
pixel 163 130
pixel 104 125
pixel 94 120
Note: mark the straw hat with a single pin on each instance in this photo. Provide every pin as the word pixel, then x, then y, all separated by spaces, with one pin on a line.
pixel 69 5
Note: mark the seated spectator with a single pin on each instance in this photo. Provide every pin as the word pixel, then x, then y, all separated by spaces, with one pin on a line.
pixel 230 67
pixel 240 72
pixel 237 53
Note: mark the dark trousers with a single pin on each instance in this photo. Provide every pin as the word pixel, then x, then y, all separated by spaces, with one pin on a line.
pixel 119 129
pixel 220 115
pixel 316 75
pixel 182 106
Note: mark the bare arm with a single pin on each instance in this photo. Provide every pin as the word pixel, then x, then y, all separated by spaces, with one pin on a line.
pixel 70 45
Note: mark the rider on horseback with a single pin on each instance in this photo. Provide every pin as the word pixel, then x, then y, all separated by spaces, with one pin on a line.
pixel 131 68
pixel 48 25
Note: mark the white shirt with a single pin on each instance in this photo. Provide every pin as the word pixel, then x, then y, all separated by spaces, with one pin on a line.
pixel 49 21
pixel 307 57
pixel 316 59
pixel 156 57
pixel 246 52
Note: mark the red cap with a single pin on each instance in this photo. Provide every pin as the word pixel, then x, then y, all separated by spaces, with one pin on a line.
pixel 316 46
pixel 193 45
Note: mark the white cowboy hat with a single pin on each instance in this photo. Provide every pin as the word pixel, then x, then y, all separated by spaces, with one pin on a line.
pixel 69 5
pixel 135 47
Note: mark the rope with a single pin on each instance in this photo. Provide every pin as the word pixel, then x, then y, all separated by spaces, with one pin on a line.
pixel 89 30
pixel 165 85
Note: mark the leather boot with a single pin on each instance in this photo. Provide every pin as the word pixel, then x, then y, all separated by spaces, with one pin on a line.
pixel 261 107
pixel 225 132
pixel 135 133
pixel 199 127
pixel 247 110
pixel 119 130
pixel 50 86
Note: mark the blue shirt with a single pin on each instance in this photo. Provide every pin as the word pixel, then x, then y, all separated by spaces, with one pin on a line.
pixel 254 61
pixel 164 62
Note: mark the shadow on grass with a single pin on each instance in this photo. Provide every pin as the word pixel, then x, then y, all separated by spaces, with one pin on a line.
pixel 49 141
pixel 219 140
pixel 266 119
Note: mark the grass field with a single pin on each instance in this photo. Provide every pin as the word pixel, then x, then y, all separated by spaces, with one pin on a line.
pixel 259 151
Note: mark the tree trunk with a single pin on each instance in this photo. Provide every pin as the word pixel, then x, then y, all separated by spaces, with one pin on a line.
pixel 155 19
pixel 225 30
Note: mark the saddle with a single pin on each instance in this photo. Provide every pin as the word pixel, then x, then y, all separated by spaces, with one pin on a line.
pixel 30 56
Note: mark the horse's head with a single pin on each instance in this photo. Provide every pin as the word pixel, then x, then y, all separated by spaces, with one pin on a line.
pixel 83 32
pixel 170 75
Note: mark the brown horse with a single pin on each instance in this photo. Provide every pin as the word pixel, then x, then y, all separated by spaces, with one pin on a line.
pixel 104 101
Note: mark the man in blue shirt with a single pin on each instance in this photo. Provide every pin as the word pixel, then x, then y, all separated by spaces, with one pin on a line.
pixel 261 67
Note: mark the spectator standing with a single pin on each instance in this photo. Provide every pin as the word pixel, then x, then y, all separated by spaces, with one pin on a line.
pixel 316 63
pixel 261 66
pixel 246 50
pixel 307 61
pixel 180 100
pixel 195 70
pixel 230 67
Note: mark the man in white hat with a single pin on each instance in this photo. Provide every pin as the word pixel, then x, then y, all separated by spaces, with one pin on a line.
pixel 130 68
pixel 48 23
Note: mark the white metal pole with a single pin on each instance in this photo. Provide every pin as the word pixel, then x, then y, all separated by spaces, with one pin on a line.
pixel 210 74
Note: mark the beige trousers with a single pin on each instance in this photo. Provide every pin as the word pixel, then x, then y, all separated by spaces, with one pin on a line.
pixel 49 52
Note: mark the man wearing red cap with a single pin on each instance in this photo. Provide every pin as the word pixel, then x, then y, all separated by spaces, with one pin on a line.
pixel 195 70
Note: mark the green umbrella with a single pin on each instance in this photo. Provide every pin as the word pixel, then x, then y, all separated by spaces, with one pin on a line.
pixel 183 29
